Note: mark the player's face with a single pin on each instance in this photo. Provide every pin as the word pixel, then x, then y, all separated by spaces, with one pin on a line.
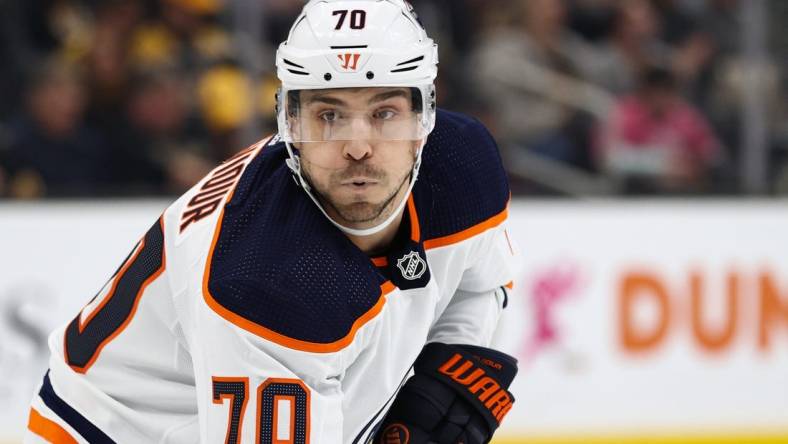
pixel 362 179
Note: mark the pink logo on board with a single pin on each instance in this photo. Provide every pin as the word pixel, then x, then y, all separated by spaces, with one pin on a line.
pixel 548 290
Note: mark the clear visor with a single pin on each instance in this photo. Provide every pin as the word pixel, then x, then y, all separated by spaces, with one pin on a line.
pixel 348 114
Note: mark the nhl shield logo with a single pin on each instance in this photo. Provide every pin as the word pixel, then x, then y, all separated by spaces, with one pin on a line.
pixel 412 266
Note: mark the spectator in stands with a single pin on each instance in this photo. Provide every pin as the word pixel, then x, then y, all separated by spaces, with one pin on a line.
pixel 534 77
pixel 656 142
pixel 108 60
pixel 692 48
pixel 226 102
pixel 279 17
pixel 633 45
pixel 185 35
pixel 592 19
pixel 161 145
pixel 736 77
pixel 52 151
pixel 538 85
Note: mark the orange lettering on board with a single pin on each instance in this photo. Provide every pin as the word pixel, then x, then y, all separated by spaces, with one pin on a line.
pixel 773 309
pixel 637 287
pixel 714 340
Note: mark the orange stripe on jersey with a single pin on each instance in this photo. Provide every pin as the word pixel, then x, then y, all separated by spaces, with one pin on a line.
pixel 381 261
pixel 48 429
pixel 415 231
pixel 469 232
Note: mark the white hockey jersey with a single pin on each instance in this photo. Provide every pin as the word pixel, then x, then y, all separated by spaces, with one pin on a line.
pixel 244 316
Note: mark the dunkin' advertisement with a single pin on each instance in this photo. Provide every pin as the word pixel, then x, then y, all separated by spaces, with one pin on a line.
pixel 657 321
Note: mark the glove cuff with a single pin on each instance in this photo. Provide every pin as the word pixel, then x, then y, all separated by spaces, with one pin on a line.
pixel 480 375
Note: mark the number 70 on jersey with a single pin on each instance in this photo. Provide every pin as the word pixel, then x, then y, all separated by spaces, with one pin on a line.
pixel 281 409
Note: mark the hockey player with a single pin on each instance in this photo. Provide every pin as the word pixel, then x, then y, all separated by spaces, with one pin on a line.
pixel 337 283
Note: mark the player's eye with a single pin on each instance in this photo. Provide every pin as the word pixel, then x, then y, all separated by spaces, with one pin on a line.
pixel 328 116
pixel 384 114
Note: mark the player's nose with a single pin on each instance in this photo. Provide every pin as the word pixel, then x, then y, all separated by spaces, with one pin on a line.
pixel 359 147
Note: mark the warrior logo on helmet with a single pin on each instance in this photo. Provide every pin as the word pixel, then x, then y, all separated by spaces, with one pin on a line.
pixel 349 61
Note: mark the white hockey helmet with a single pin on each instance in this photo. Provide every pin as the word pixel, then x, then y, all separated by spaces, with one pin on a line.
pixel 356 44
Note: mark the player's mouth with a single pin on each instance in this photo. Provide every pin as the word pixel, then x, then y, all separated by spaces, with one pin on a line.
pixel 359 183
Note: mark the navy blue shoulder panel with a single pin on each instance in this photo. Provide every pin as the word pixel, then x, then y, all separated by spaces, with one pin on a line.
pixel 462 173
pixel 280 264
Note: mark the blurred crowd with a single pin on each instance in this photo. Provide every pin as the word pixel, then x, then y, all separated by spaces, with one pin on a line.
pixel 143 97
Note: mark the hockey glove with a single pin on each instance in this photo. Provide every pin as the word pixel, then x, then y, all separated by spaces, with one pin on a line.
pixel 458 394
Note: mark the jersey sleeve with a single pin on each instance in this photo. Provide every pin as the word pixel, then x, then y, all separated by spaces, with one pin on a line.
pixel 473 312
pixel 469 215
pixel 118 371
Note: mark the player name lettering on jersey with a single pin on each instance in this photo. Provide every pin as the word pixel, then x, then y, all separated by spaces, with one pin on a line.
pixel 475 379
pixel 220 182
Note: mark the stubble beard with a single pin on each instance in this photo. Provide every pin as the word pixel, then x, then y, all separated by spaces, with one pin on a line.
pixel 361 212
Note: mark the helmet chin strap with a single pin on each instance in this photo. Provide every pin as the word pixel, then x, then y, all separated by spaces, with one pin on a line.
pixel 294 163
